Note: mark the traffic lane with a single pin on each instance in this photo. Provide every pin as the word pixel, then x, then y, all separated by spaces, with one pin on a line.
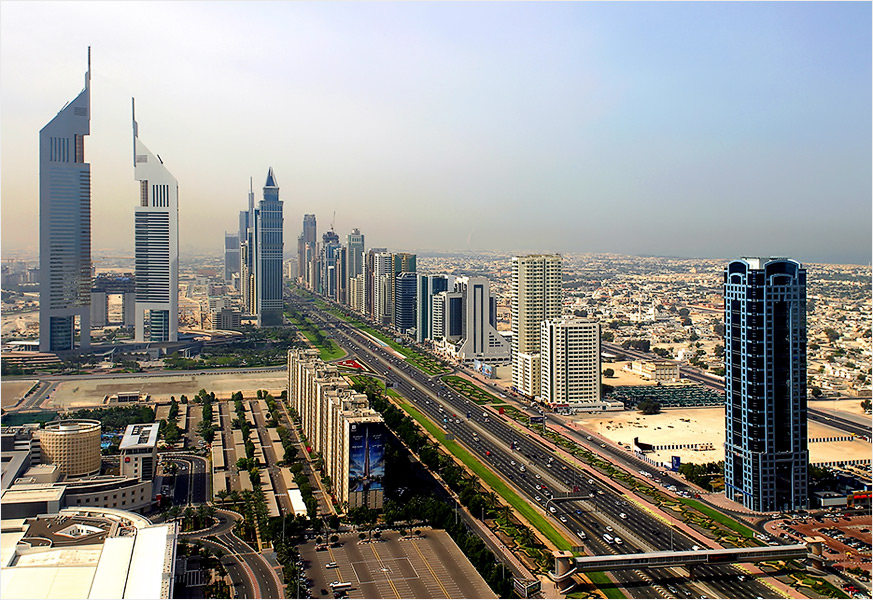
pixel 265 575
pixel 239 577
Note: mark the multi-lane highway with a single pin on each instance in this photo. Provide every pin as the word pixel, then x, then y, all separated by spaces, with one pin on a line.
pixel 490 437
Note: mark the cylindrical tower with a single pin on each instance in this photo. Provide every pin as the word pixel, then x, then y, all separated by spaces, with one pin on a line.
pixel 73 445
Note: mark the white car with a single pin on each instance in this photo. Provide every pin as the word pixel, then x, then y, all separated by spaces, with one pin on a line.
pixel 563 519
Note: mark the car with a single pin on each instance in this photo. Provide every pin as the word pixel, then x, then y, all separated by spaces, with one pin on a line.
pixel 563 519
pixel 552 509
pixel 537 498
pixel 330 565
pixel 622 515
pixel 608 528
pixel 539 476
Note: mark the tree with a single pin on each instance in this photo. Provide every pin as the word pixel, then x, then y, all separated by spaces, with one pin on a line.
pixel 816 392
pixel 865 404
pixel 608 373
pixel 334 539
pixel 649 407
pixel 684 312
pixel 718 350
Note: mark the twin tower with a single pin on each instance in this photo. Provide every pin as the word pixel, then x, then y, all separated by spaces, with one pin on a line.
pixel 65 237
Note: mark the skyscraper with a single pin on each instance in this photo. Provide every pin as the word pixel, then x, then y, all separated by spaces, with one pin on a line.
pixel 156 241
pixel 383 288
pixel 766 455
pixel 65 225
pixel 330 241
pixel 268 256
pixel 306 251
pixel 428 286
pixel 536 297
pixel 570 363
pixel 481 341
pixel 404 301
pixel 247 253
pixel 231 255
pixel 356 253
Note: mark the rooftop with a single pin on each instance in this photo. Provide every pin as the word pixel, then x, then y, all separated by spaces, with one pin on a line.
pixel 140 436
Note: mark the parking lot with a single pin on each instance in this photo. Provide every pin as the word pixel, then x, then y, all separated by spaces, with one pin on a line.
pixel 847 537
pixel 426 566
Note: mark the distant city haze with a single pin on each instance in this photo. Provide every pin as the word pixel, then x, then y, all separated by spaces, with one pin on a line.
pixel 682 129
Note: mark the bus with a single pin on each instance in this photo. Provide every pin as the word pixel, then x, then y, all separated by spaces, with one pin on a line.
pixel 340 585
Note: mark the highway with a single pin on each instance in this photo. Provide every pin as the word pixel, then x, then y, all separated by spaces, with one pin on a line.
pixel 489 438
pixel 190 483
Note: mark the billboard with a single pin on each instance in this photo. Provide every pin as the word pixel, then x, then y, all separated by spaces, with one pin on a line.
pixel 675 463
pixel 366 456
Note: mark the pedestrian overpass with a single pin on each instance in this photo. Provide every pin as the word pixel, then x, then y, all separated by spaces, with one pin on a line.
pixel 566 564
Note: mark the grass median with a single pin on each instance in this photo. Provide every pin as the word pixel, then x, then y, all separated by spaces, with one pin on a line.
pixel 538 521
pixel 327 349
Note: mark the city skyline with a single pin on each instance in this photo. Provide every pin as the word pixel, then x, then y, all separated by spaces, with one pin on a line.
pixel 511 127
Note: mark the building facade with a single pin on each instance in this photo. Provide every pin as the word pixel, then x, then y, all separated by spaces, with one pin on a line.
pixel 340 425
pixel 766 453
pixel 536 297
pixel 404 302
pixel 156 241
pixel 231 256
pixel 268 256
pixel 427 287
pixel 65 226
pixel 569 363
pixel 139 451
pixel 73 445
pixel 480 340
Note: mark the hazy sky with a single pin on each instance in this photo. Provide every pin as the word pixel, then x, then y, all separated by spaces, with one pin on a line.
pixel 689 129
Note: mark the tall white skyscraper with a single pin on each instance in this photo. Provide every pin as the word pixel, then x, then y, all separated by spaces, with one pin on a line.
pixel 570 363
pixel 536 297
pixel 65 225
pixel 156 241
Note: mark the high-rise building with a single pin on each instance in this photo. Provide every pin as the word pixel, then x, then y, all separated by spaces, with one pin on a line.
pixel 156 241
pixel 306 250
pixel 369 282
pixel 383 288
pixel 231 255
pixel 330 241
pixel 355 244
pixel 480 339
pixel 766 454
pixel 570 363
pixel 428 286
pixel 404 301
pixel 268 257
pixel 536 297
pixel 65 225
pixel 247 253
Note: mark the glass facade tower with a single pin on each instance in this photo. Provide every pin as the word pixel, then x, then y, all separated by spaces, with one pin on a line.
pixel 65 226
pixel 766 453
pixel 268 255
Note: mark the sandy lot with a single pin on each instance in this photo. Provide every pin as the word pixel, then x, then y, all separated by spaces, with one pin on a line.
pixel 849 406
pixel 90 392
pixel 12 391
pixel 696 425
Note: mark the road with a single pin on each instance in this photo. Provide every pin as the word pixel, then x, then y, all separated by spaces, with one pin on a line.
pixel 190 484
pixel 492 435
pixel 251 574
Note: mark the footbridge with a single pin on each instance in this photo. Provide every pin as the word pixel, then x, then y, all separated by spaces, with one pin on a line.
pixel 566 565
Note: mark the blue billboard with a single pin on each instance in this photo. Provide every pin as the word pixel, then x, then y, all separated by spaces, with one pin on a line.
pixel 366 456
pixel 675 463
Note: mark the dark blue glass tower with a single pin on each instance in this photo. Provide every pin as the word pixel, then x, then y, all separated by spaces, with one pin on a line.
pixel 268 258
pixel 766 456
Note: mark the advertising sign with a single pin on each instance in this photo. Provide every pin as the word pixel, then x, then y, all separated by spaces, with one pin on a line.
pixel 675 463
pixel 366 456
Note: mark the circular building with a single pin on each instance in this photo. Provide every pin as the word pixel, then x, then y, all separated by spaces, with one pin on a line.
pixel 73 445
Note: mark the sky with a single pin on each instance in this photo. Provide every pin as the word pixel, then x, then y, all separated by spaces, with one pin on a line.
pixel 693 129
